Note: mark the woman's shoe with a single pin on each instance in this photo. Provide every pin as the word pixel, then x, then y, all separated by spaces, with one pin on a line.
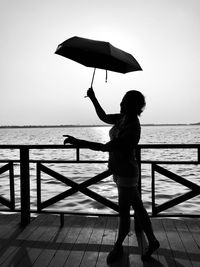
pixel 114 255
pixel 150 250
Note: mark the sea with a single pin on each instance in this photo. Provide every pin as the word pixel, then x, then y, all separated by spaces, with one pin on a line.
pixel 165 188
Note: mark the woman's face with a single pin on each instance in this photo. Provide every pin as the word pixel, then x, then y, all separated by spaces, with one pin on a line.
pixel 123 105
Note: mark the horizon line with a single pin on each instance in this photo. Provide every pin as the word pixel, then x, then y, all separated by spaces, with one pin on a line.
pixel 93 125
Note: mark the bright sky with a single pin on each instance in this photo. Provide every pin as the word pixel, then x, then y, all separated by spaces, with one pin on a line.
pixel 40 87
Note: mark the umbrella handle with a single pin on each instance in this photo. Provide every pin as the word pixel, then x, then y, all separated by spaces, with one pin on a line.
pixel 93 77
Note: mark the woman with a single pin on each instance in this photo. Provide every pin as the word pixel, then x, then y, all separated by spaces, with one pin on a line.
pixel 124 135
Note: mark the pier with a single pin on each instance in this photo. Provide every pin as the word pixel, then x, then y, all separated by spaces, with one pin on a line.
pixel 86 240
pixel 41 236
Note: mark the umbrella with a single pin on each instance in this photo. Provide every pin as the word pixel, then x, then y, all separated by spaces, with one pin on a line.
pixel 97 54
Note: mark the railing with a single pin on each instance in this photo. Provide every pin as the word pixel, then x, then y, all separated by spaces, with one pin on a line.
pixel 24 162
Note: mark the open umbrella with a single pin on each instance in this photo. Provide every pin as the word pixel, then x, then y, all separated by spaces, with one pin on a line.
pixel 97 54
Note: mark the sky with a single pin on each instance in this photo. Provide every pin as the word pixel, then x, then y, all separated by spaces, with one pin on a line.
pixel 38 87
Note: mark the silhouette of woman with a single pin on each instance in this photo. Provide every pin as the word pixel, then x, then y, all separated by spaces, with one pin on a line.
pixel 124 135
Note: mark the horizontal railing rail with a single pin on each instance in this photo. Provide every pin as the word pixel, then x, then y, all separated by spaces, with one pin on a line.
pixel 24 161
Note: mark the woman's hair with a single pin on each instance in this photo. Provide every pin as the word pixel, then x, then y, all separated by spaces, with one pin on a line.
pixel 134 102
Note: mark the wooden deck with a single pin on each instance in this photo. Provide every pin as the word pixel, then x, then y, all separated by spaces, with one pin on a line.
pixel 86 241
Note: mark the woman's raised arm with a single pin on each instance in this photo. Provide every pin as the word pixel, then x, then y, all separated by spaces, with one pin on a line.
pixel 107 118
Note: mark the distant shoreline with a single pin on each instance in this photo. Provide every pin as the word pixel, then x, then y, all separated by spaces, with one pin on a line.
pixel 88 125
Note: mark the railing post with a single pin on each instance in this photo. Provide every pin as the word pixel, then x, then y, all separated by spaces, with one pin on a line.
pixel 38 166
pixel 153 188
pixel 137 224
pixel 77 154
pixel 12 186
pixel 138 158
pixel 25 186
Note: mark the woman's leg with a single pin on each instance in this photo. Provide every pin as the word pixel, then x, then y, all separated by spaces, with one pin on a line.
pixel 142 215
pixel 124 225
pixel 124 214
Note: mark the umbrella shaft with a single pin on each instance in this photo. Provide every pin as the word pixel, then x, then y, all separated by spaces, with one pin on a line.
pixel 93 77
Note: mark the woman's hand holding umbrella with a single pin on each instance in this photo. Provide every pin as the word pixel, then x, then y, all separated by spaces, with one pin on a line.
pixel 90 93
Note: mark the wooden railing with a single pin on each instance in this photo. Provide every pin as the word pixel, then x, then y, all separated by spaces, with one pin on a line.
pixel 25 160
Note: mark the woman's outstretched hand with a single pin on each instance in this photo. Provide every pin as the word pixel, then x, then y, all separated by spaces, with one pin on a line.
pixel 90 93
pixel 70 140
pixel 78 143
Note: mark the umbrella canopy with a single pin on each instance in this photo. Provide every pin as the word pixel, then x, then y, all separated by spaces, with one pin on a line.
pixel 98 54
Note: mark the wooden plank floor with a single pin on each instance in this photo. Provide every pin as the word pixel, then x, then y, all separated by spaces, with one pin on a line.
pixel 86 241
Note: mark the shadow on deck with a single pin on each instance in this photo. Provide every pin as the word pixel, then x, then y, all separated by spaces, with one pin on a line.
pixel 85 241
